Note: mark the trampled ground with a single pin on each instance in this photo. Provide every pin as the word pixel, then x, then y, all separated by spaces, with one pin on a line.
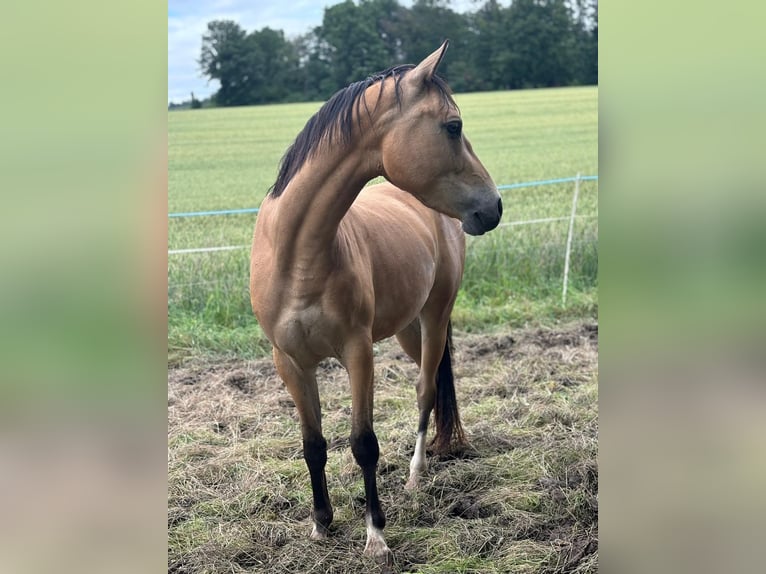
pixel 524 500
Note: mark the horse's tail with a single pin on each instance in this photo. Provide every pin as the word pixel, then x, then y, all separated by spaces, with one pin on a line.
pixel 446 415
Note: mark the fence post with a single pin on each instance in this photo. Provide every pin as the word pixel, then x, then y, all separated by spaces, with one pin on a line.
pixel 569 241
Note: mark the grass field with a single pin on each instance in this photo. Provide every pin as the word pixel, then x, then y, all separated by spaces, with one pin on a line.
pixel 524 502
pixel 525 498
pixel 227 159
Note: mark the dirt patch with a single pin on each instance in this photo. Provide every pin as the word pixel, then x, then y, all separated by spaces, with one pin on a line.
pixel 523 498
pixel 480 346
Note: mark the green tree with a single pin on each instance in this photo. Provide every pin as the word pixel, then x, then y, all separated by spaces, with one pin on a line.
pixel 425 26
pixel 585 23
pixel 590 72
pixel 542 52
pixel 490 49
pixel 387 18
pixel 314 78
pixel 254 68
pixel 351 43
pixel 224 57
pixel 272 67
pixel 529 43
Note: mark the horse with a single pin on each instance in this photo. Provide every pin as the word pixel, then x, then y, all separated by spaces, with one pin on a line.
pixel 336 266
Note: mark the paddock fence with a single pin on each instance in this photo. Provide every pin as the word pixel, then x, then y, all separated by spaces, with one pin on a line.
pixel 554 249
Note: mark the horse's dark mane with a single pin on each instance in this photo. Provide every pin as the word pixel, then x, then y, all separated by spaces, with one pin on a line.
pixel 334 121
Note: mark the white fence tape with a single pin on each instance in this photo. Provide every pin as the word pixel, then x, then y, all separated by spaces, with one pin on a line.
pixel 569 218
pixel 506 224
pixel 205 249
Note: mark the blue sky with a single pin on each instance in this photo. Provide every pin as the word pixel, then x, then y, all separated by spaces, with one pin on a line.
pixel 187 21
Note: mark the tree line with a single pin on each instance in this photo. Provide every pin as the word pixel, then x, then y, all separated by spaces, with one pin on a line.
pixel 527 44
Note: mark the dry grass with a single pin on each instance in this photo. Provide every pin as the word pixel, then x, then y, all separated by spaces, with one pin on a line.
pixel 523 500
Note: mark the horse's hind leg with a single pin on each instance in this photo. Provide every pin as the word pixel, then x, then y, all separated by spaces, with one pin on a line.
pixel 302 386
pixel 436 391
pixel 357 358
pixel 409 339
pixel 433 337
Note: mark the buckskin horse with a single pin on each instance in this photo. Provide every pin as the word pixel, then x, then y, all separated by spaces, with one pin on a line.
pixel 336 266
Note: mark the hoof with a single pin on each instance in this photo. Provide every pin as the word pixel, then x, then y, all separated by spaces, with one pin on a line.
pixel 319 533
pixel 377 548
pixel 381 554
pixel 412 483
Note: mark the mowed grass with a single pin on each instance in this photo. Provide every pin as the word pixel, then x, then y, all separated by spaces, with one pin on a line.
pixel 228 158
pixel 523 500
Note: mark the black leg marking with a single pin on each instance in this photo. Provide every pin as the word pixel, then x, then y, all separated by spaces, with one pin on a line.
pixel 366 451
pixel 315 454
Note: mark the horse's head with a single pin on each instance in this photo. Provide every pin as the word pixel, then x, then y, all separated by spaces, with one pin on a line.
pixel 425 152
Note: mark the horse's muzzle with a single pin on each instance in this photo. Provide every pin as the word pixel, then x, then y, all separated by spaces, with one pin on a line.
pixel 480 221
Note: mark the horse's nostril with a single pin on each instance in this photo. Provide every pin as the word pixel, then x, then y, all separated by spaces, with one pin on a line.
pixel 499 206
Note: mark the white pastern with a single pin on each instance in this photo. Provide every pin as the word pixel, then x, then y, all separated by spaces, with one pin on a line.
pixel 418 462
pixel 376 545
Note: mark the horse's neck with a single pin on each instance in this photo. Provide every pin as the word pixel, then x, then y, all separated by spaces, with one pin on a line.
pixel 312 206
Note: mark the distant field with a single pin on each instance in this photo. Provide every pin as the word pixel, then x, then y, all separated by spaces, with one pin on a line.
pixel 227 159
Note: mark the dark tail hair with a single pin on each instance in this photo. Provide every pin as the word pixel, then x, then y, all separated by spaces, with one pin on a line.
pixel 446 415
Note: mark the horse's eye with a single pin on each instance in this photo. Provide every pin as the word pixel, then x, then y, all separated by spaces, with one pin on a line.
pixel 454 128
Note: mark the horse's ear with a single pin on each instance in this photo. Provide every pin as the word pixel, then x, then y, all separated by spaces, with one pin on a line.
pixel 425 70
